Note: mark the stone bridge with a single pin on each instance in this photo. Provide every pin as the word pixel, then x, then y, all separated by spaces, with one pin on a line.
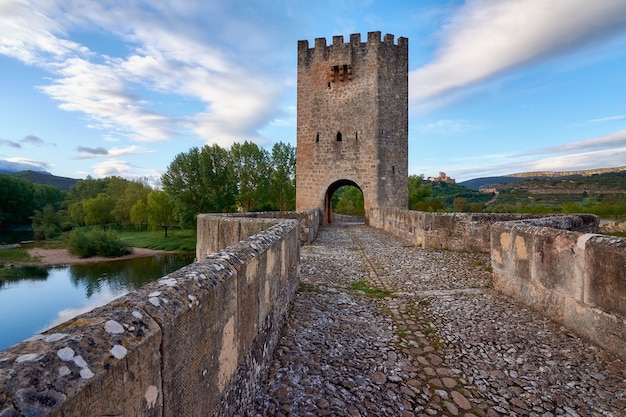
pixel 415 315
pixel 380 327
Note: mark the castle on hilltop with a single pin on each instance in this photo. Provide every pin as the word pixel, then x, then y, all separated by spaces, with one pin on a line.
pixel 442 178
pixel 352 121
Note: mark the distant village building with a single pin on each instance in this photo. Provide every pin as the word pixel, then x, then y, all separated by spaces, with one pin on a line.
pixel 442 178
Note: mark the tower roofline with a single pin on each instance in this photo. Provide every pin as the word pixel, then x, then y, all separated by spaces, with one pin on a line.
pixel 355 39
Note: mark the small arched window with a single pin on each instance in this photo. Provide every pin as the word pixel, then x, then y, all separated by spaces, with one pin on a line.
pixel 338 136
pixel 317 137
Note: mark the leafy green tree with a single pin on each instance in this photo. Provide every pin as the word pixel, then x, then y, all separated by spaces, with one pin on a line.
pixel 98 210
pixel 476 207
pixel 429 205
pixel 419 190
pixel 86 189
pixel 17 202
pixel 348 200
pixel 132 193
pixel 201 181
pixel 161 211
pixel 252 168
pixel 48 223
pixel 283 183
pixel 460 205
pixel 76 213
pixel 139 214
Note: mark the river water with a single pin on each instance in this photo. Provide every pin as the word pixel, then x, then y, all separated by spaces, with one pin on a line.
pixel 51 296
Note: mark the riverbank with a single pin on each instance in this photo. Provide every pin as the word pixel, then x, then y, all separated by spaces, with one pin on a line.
pixel 54 257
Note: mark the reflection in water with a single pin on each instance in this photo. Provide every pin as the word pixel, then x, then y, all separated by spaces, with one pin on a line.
pixel 123 276
pixel 14 274
pixel 44 298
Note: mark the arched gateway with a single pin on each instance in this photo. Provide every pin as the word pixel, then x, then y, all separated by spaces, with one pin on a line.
pixel 352 121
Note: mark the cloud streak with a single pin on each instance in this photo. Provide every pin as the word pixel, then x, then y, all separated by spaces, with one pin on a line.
pixel 170 53
pixel 486 38
pixel 100 152
pixel 614 140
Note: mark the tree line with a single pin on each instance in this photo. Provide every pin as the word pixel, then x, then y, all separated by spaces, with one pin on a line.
pixel 245 177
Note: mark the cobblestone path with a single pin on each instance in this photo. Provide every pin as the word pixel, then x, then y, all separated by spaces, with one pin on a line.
pixel 381 328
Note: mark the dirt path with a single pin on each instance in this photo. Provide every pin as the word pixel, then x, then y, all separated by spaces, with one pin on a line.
pixel 52 257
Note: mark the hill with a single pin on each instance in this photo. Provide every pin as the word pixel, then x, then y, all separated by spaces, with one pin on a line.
pixel 488 182
pixel 62 183
pixel 494 182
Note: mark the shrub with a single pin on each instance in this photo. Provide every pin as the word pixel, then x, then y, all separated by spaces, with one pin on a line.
pixel 87 243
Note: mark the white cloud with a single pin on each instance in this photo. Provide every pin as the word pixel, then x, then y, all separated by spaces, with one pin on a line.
pixel 446 127
pixel 614 140
pixel 173 48
pixel 486 38
pixel 492 166
pixel 29 163
pixel 112 168
pixel 120 168
pixel 100 152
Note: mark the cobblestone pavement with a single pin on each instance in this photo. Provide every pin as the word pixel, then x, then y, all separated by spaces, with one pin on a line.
pixel 381 328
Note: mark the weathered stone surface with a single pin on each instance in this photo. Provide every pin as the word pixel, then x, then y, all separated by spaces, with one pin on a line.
pixel 501 358
pixel 352 121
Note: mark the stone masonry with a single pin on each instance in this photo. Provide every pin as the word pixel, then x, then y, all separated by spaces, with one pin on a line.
pixel 352 121
pixel 380 327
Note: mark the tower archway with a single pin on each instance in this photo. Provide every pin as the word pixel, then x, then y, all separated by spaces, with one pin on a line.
pixel 330 191
pixel 352 124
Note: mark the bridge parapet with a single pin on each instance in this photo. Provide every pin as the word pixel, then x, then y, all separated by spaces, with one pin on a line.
pixel 194 343
pixel 575 278
pixel 457 231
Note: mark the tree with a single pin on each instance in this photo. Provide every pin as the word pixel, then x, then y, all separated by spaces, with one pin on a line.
pixel 283 182
pixel 419 190
pixel 132 193
pixel 460 204
pixel 98 211
pixel 161 210
pixel 139 214
pixel 16 204
pixel 348 200
pixel 252 167
pixel 201 181
pixel 47 223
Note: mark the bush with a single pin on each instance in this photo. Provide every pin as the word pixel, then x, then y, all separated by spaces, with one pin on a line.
pixel 87 243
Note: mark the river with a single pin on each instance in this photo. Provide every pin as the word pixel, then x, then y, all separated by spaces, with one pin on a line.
pixel 47 297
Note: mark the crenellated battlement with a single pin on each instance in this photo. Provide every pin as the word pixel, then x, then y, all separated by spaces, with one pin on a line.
pixel 373 39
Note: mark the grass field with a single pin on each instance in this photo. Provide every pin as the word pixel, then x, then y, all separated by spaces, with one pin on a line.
pixel 183 240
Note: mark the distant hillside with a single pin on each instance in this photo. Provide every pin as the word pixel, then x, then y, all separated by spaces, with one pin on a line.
pixel 584 173
pixel 486 182
pixel 61 183
pixel 493 182
pixel 8 167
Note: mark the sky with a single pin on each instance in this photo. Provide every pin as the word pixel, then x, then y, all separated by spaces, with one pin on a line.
pixel 120 87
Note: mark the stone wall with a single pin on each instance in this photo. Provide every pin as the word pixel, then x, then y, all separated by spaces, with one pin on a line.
pixel 194 343
pixel 557 265
pixel 456 231
pixel 216 231
pixel 577 279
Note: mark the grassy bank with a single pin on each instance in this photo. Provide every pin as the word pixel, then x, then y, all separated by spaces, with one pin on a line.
pixel 179 240
pixel 183 240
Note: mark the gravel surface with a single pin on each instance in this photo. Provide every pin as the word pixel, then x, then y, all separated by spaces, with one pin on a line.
pixel 382 328
pixel 53 257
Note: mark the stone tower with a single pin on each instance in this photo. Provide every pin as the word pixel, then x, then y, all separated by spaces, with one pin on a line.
pixel 352 121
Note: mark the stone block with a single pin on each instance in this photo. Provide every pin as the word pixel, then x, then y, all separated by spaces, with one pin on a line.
pixel 606 274
pixel 105 362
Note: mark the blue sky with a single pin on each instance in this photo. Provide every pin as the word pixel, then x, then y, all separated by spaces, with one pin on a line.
pixel 113 87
